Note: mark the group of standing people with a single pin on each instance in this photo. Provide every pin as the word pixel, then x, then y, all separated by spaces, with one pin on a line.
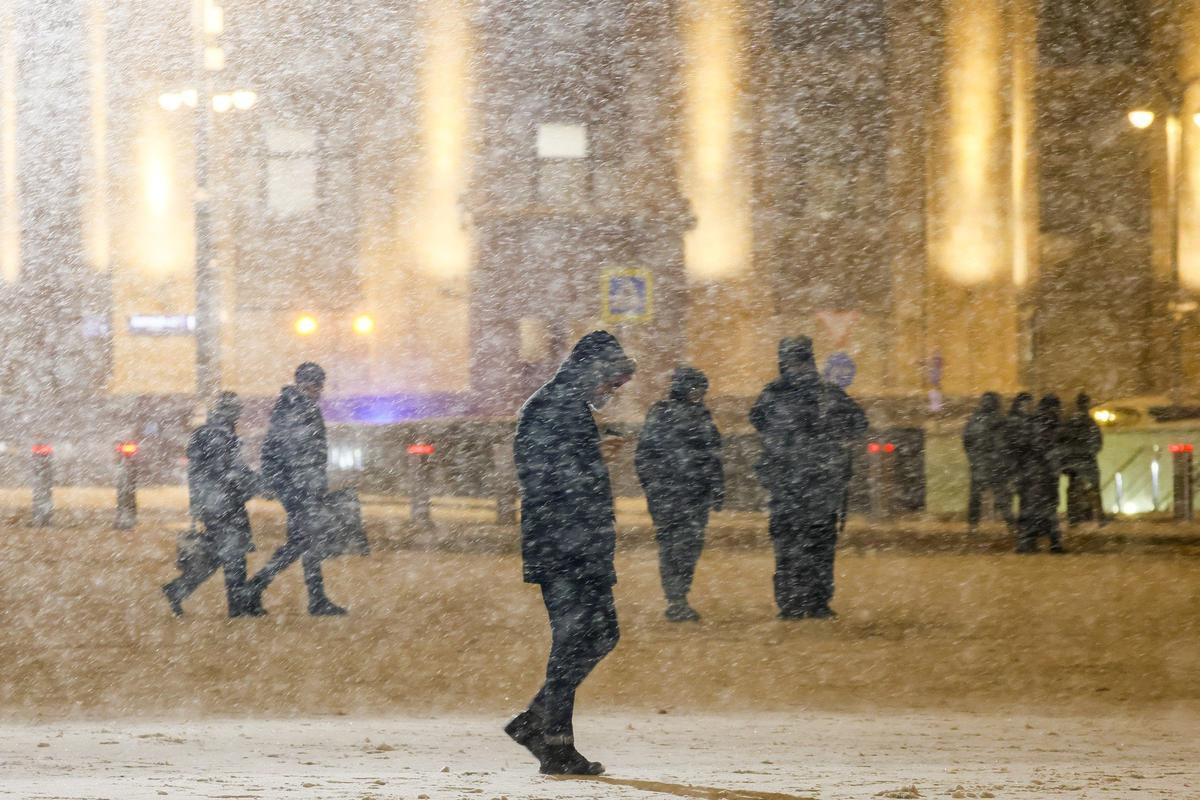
pixel 294 464
pixel 1020 455
pixel 808 428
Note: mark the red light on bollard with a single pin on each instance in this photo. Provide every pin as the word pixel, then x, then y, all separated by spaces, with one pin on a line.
pixel 127 449
pixel 1180 448
pixel 42 450
pixel 420 449
pixel 873 447
pixel 889 448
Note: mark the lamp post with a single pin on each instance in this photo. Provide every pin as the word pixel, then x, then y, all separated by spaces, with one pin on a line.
pixel 204 101
pixel 1181 302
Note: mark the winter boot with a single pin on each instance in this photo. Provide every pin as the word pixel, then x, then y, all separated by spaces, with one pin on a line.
pixel 325 607
pixel 680 611
pixel 564 759
pixel 526 729
pixel 173 598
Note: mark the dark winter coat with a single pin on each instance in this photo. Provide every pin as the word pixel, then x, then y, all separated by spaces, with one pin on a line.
pixel 1040 465
pixel 985 439
pixel 568 530
pixel 808 428
pixel 295 454
pixel 1080 442
pixel 678 455
pixel 219 485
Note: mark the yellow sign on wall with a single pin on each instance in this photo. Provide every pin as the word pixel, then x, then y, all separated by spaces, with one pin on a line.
pixel 626 295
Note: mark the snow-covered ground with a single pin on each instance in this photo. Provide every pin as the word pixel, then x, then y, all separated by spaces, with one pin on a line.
pixel 953 664
pixel 763 757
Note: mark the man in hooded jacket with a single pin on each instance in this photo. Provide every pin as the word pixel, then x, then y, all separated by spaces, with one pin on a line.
pixel 1081 442
pixel 1037 481
pixel 219 484
pixel 295 460
pixel 568 536
pixel 679 465
pixel 808 428
pixel 985 440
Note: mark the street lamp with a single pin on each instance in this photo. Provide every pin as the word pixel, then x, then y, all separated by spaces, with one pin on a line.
pixel 208 23
pixel 1181 303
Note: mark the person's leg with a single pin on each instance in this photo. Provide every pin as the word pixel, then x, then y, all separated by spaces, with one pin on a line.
pixel 584 629
pixel 234 567
pixel 318 602
pixel 1027 533
pixel 690 548
pixel 667 535
pixel 286 555
pixel 826 552
pixel 784 535
pixel 974 501
pixel 1002 492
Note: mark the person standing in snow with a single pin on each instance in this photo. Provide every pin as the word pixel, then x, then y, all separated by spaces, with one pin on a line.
pixel 568 537
pixel 1037 481
pixel 1081 442
pixel 985 441
pixel 807 427
pixel 678 462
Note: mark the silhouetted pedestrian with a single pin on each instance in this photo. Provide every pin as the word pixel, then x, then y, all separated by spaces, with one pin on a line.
pixel 568 536
pixel 295 460
pixel 1037 480
pixel 1081 442
pixel 985 440
pixel 219 484
pixel 807 427
pixel 679 465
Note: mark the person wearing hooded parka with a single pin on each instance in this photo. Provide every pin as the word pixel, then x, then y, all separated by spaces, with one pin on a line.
pixel 807 427
pixel 678 462
pixel 219 484
pixel 985 440
pixel 568 537
pixel 1037 481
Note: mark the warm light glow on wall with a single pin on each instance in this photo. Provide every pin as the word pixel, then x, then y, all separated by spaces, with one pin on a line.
pixel 443 246
pixel 1023 220
pixel 973 236
pixel 10 236
pixel 713 179
pixel 163 228
pixel 97 235
pixel 1189 196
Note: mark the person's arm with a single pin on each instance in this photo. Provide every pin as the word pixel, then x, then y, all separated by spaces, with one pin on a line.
pixel 716 463
pixel 761 412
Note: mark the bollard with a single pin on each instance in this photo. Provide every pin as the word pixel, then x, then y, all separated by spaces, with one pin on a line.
pixel 505 484
pixel 1181 460
pixel 880 456
pixel 43 483
pixel 126 485
pixel 421 474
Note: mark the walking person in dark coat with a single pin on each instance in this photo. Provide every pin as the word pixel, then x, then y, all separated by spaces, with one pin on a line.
pixel 568 535
pixel 679 465
pixel 1081 442
pixel 985 439
pixel 807 427
pixel 1037 481
pixel 295 460
pixel 219 484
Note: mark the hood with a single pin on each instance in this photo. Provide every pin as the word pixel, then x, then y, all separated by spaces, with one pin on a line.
pixel 685 380
pixel 595 358
pixel 291 397
pixel 796 355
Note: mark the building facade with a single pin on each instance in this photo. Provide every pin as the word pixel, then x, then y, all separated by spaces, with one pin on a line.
pixel 435 199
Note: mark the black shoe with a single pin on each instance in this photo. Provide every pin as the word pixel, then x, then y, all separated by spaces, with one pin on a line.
pixel 792 615
pixel 247 610
pixel 1057 549
pixel 526 730
pixel 564 759
pixel 681 612
pixel 824 612
pixel 175 601
pixel 326 608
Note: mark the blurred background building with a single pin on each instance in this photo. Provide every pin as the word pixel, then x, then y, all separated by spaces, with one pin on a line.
pixel 434 199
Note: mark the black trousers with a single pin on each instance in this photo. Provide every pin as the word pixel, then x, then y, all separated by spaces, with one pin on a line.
pixel 1083 494
pixel 1039 512
pixel 805 543
pixel 1002 498
pixel 302 519
pixel 200 570
pixel 583 627
pixel 679 531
